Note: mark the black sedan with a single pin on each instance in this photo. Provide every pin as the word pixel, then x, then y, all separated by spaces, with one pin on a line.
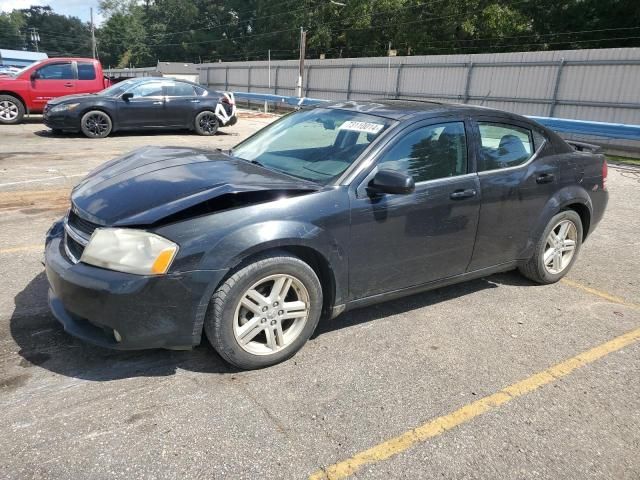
pixel 325 210
pixel 142 103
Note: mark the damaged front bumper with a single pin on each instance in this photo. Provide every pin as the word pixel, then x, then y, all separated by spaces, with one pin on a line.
pixel 124 311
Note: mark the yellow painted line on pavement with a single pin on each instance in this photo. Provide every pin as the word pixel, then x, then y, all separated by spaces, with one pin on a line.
pixel 440 425
pixel 23 248
pixel 599 293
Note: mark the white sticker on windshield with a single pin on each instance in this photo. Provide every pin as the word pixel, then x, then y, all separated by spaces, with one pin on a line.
pixel 366 127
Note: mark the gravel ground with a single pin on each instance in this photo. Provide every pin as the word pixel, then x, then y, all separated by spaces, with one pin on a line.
pixel 71 410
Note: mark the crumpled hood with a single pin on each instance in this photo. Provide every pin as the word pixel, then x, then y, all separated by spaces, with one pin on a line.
pixel 152 183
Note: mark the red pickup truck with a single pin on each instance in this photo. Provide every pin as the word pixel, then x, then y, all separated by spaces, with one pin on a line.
pixel 29 90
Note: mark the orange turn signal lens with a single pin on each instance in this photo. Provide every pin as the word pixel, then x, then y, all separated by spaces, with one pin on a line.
pixel 163 261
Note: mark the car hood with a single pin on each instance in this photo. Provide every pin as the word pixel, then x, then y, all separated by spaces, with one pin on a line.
pixel 153 183
pixel 78 97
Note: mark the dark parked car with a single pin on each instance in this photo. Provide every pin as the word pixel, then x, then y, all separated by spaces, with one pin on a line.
pixel 142 103
pixel 325 210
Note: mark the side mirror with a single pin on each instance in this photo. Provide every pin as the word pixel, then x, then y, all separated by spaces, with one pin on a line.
pixel 34 75
pixel 390 181
pixel 127 96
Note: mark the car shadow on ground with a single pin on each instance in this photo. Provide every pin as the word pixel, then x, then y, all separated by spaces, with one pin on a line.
pixel 42 341
pixel 46 133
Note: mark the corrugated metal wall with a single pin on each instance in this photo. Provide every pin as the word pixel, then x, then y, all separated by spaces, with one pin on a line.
pixel 597 85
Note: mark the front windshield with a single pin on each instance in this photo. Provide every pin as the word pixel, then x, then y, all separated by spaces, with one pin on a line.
pixel 119 88
pixel 316 145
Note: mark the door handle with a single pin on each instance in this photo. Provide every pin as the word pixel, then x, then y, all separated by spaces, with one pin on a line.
pixel 195 101
pixel 158 103
pixel 545 178
pixel 68 84
pixel 461 194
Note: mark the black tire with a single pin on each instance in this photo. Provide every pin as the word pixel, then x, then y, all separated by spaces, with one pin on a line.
pixel 206 123
pixel 534 268
pixel 96 124
pixel 11 110
pixel 220 317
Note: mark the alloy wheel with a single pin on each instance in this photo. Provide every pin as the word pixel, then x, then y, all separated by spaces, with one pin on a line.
pixel 8 110
pixel 96 124
pixel 560 247
pixel 271 314
pixel 208 123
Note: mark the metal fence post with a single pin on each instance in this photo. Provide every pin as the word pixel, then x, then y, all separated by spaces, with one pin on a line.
pixel 349 81
pixel 249 79
pixel 398 74
pixel 226 78
pixel 208 81
pixel 556 88
pixel 467 87
pixel 276 80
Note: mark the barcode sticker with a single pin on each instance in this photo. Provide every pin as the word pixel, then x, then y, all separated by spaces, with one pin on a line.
pixel 366 127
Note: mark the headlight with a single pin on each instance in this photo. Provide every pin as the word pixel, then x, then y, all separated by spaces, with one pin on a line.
pixel 131 251
pixel 65 107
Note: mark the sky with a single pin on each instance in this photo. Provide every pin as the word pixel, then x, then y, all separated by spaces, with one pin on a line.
pixel 76 8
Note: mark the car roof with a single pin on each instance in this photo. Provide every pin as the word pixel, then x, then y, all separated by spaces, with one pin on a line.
pixel 403 109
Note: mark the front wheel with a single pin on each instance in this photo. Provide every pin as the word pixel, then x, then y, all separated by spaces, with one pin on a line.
pixel 557 249
pixel 206 123
pixel 265 312
pixel 11 110
pixel 96 124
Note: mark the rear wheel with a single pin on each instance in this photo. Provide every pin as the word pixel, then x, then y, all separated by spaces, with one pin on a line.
pixel 265 312
pixel 206 123
pixel 96 124
pixel 11 110
pixel 557 249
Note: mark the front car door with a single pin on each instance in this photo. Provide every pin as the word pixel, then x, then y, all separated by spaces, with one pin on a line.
pixel 51 81
pixel 401 241
pixel 517 179
pixel 145 108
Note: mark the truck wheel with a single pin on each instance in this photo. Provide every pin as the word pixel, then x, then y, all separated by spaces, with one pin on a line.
pixel 556 250
pixel 206 123
pixel 96 124
pixel 265 312
pixel 11 110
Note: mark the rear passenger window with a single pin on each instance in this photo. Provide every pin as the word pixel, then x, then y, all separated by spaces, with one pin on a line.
pixel 429 153
pixel 503 146
pixel 86 71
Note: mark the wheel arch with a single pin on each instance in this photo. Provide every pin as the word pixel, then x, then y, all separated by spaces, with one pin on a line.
pixel 18 97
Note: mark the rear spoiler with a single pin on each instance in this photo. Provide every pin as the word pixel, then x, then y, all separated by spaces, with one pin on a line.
pixel 585 147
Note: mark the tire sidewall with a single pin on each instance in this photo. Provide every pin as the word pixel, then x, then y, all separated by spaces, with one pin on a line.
pixel 225 342
pixel 17 103
pixel 94 112
pixel 564 215
pixel 197 127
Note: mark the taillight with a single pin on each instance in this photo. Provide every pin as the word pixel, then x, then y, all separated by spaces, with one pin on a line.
pixel 605 172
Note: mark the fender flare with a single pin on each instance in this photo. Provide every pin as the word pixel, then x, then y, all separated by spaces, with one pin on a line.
pixel 559 201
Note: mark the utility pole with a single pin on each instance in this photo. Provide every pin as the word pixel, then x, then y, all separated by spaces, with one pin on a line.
pixel 35 37
pixel 303 46
pixel 94 51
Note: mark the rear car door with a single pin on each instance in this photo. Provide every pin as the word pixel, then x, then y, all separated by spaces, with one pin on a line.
pixel 181 102
pixel 51 81
pixel 87 78
pixel 145 108
pixel 400 241
pixel 517 178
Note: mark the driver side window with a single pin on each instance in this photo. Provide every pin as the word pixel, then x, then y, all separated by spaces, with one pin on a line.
pixel 429 153
pixel 56 71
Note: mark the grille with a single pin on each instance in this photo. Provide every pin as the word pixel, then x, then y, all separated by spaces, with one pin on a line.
pixel 81 224
pixel 73 247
